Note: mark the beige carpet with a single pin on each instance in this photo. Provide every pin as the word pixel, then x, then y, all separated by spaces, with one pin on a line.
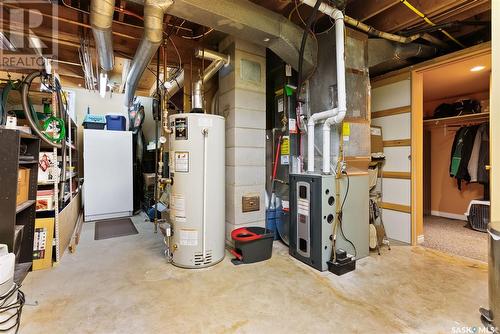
pixel 450 236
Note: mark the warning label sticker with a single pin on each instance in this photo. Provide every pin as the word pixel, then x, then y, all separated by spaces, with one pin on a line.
pixel 179 205
pixel 188 237
pixel 181 162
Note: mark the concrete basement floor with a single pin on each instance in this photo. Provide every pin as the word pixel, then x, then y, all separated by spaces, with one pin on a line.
pixel 124 285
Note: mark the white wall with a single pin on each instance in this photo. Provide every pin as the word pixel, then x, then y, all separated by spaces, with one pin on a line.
pixel 111 104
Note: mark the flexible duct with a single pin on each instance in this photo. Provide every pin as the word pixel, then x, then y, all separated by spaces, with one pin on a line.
pixel 101 20
pixel 384 56
pixel 336 115
pixel 154 10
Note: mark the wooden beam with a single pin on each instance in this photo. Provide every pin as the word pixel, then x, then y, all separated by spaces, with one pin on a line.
pixel 391 77
pixel 397 142
pixel 363 10
pixel 396 207
pixel 391 112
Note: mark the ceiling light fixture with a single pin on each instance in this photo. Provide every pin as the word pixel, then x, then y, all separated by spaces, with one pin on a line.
pixel 103 83
pixel 477 68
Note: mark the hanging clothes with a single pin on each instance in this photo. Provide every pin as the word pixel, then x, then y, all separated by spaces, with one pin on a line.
pixel 483 175
pixel 456 151
pixel 461 153
pixel 474 158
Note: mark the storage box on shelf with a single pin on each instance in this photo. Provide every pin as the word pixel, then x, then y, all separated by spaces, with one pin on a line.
pixel 18 177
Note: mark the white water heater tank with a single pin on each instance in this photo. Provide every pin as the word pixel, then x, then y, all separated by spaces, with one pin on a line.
pixel 197 198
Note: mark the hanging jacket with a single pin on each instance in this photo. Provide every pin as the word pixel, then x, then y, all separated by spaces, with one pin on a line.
pixel 456 151
pixel 468 144
pixel 474 158
pixel 461 152
pixel 483 175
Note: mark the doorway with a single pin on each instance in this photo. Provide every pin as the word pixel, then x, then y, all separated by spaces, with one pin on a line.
pixel 450 122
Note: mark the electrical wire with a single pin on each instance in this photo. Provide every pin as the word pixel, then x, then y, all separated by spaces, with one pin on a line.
pixel 429 22
pixel 18 305
pixel 199 36
pixel 340 218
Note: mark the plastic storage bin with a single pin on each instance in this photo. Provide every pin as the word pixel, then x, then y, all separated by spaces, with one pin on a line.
pixel 478 215
pixel 95 122
pixel 115 122
pixel 252 244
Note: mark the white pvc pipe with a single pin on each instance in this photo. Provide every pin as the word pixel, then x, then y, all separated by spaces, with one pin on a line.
pixel 341 90
pixel 326 139
pixel 310 134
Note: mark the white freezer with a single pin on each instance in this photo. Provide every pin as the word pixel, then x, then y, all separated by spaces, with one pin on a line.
pixel 107 162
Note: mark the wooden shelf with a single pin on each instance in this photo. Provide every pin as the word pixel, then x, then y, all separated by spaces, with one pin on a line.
pixel 26 135
pixel 456 120
pixel 25 162
pixel 25 205
pixel 20 271
pixel 46 183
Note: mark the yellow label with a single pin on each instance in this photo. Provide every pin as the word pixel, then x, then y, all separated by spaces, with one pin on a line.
pixel 285 146
pixel 346 129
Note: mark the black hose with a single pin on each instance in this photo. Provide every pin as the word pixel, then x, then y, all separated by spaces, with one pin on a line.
pixel 307 29
pixel 27 110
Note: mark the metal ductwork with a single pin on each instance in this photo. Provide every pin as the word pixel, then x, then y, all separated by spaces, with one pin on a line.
pixel 101 19
pixel 250 22
pixel 175 84
pixel 154 10
pixel 218 60
pixel 384 55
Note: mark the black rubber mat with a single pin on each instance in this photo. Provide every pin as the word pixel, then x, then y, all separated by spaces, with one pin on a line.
pixel 113 228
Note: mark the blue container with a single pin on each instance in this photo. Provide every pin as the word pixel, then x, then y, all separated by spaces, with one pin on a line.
pixel 271 215
pixel 96 122
pixel 116 122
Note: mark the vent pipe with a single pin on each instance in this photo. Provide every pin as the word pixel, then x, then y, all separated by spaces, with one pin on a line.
pixel 154 10
pixel 336 115
pixel 218 60
pixel 101 20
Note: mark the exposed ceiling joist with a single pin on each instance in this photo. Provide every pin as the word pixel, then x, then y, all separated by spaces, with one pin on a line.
pixel 400 17
pixel 362 10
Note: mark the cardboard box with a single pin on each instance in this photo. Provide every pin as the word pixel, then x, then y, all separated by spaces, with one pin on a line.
pixel 44 200
pixel 42 243
pixel 376 139
pixel 23 185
